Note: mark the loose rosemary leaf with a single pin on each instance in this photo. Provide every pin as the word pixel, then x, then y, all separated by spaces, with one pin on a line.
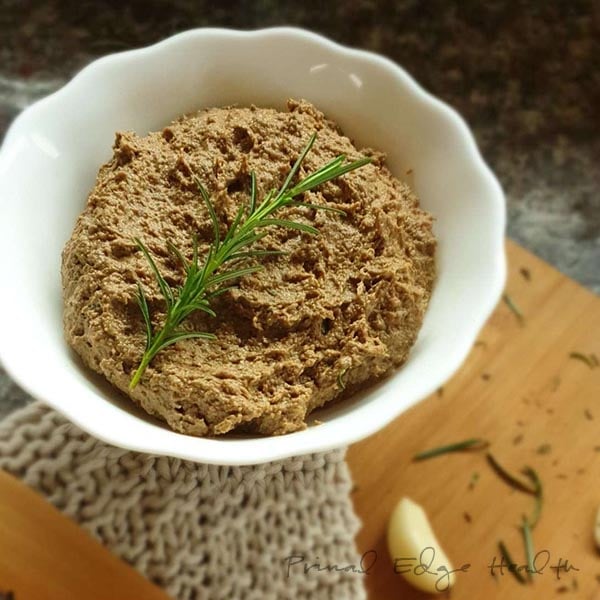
pixel 538 489
pixel 340 378
pixel 512 480
pixel 514 308
pixel 471 444
pixel 528 543
pixel 506 556
pixel 590 360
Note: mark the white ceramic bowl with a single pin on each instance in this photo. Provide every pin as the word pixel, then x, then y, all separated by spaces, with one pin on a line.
pixel 54 148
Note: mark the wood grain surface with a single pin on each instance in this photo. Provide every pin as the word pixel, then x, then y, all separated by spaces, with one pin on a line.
pixel 46 556
pixel 521 390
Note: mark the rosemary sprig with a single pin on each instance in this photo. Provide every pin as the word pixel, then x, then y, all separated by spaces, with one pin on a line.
pixel 471 444
pixel 205 281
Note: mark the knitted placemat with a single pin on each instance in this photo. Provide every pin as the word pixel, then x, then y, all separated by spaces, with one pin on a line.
pixel 199 531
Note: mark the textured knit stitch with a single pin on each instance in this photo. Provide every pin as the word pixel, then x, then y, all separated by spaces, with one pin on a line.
pixel 199 531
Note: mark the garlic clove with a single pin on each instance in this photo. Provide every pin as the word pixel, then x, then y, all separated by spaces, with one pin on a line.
pixel 415 550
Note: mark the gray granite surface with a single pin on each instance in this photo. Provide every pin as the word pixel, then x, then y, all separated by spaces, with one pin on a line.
pixel 526 76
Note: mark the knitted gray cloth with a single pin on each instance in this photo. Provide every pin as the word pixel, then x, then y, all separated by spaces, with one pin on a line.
pixel 198 531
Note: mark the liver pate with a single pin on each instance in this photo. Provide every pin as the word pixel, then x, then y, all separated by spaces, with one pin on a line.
pixel 340 309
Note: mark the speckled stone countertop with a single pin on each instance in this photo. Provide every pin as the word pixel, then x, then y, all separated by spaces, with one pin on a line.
pixel 525 75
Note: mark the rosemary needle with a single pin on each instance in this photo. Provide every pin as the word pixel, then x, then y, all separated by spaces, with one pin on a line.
pixel 471 444
pixel 538 491
pixel 528 542
pixel 591 361
pixel 205 281
pixel 514 308
pixel 508 477
pixel 340 378
pixel 512 566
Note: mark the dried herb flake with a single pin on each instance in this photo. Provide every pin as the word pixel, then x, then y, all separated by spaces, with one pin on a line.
pixel 526 273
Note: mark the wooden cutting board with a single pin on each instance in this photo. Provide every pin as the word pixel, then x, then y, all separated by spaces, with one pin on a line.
pixel 520 389
pixel 46 556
